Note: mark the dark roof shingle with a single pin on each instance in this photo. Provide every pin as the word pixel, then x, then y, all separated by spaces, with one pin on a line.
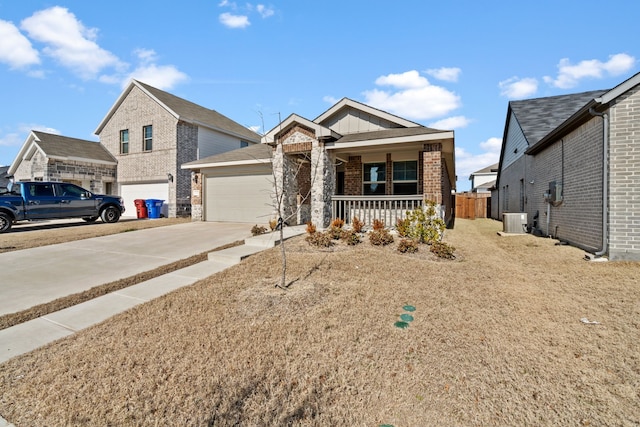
pixel 63 146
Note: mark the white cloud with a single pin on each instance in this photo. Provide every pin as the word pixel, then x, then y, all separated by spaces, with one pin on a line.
pixel 467 163
pixel 15 48
pixel 412 96
pixel 569 75
pixel 264 11
pixel 516 87
pixel 68 41
pixel 446 74
pixel 330 99
pixel 455 122
pixel 234 21
pixel 163 77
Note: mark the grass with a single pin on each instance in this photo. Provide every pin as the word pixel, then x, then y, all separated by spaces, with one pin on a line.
pixel 496 339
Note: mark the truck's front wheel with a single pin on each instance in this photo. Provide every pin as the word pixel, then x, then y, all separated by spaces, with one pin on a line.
pixel 5 222
pixel 110 214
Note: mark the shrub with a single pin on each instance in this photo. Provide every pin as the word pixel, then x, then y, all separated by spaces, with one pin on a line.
pixel 408 246
pixel 402 225
pixel 380 237
pixel 443 250
pixel 256 230
pixel 424 225
pixel 351 237
pixel 335 232
pixel 357 225
pixel 378 225
pixel 337 223
pixel 321 240
pixel 273 223
pixel 310 228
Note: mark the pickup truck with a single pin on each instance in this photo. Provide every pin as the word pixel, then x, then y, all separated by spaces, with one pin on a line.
pixel 37 200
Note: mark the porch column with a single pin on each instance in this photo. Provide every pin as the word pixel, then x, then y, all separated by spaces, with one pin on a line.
pixel 322 184
pixel 286 185
pixel 196 197
pixel 432 173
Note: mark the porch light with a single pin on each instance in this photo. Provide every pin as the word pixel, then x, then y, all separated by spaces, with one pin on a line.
pixel 169 177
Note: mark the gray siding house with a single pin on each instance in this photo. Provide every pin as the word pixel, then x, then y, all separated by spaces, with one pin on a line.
pixel 48 157
pixel 152 133
pixel 572 164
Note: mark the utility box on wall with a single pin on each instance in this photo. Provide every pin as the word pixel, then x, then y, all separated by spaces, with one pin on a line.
pixel 555 192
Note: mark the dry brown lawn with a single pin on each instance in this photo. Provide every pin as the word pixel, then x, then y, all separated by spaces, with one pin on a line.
pixel 497 339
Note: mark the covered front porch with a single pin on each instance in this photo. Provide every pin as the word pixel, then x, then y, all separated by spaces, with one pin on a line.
pixel 388 209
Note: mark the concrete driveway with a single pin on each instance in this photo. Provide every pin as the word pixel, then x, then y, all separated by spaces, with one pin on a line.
pixel 40 275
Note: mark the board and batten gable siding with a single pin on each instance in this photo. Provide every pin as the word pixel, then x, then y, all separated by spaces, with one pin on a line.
pixel 212 142
pixel 352 120
pixel 516 143
pixel 576 162
pixel 624 177
pixel 138 110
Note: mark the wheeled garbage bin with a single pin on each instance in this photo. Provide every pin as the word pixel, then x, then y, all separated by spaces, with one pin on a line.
pixel 154 206
pixel 141 208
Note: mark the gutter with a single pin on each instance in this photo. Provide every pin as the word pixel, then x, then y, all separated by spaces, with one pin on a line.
pixel 605 178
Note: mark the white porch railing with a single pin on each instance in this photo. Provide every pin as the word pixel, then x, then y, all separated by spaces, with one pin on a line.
pixel 367 208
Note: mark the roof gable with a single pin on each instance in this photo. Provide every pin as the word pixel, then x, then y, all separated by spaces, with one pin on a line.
pixel 62 148
pixel 184 110
pixel 294 119
pixel 334 118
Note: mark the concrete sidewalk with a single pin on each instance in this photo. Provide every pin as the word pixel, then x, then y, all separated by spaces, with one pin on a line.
pixel 181 240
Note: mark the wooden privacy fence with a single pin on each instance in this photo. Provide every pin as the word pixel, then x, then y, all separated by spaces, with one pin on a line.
pixel 473 205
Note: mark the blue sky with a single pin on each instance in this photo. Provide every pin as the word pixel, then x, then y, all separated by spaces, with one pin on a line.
pixel 448 64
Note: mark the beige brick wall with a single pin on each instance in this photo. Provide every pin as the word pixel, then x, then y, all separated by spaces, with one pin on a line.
pixel 624 190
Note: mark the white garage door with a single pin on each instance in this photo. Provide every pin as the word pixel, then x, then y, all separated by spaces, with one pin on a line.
pixel 239 194
pixel 131 192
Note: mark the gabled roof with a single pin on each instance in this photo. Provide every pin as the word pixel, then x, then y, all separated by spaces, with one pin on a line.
pixel 388 134
pixel 488 170
pixel 256 153
pixel 62 148
pixel 184 110
pixel 539 116
pixel 292 120
pixel 346 103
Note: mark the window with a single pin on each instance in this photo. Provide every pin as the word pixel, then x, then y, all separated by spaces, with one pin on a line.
pixel 405 177
pixel 244 144
pixel 147 138
pixel 374 179
pixel 124 141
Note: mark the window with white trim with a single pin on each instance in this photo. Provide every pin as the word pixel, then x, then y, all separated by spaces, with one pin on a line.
pixel 124 141
pixel 374 179
pixel 405 177
pixel 147 138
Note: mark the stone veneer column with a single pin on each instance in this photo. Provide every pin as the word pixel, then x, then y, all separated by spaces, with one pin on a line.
pixel 196 198
pixel 432 173
pixel 322 184
pixel 286 185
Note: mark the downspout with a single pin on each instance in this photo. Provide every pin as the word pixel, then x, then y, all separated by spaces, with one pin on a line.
pixel 605 178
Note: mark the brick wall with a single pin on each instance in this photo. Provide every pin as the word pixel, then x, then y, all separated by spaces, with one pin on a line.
pixel 353 176
pixel 624 178
pixel 432 173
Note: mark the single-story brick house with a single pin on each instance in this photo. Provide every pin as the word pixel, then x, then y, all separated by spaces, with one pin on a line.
pixel 572 164
pixel 352 160
pixel 49 157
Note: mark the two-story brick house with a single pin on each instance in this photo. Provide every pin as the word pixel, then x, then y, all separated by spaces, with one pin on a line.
pixel 572 164
pixel 151 133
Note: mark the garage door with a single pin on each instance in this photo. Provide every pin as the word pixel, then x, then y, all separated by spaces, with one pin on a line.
pixel 239 195
pixel 131 192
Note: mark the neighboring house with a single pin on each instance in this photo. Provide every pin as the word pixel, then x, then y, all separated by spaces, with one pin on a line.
pixel 352 160
pixel 482 180
pixel 151 133
pixel 48 157
pixel 572 164
pixel 4 176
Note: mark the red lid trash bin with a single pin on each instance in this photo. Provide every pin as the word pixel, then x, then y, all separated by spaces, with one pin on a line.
pixel 141 208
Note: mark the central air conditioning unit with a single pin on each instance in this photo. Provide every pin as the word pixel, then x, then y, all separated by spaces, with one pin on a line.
pixel 514 222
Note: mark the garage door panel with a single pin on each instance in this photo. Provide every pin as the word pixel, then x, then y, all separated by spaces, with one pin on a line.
pixel 131 192
pixel 239 196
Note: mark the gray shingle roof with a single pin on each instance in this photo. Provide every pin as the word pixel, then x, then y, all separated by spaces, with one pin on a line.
pixel 387 133
pixel 65 147
pixel 189 111
pixel 258 152
pixel 539 116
